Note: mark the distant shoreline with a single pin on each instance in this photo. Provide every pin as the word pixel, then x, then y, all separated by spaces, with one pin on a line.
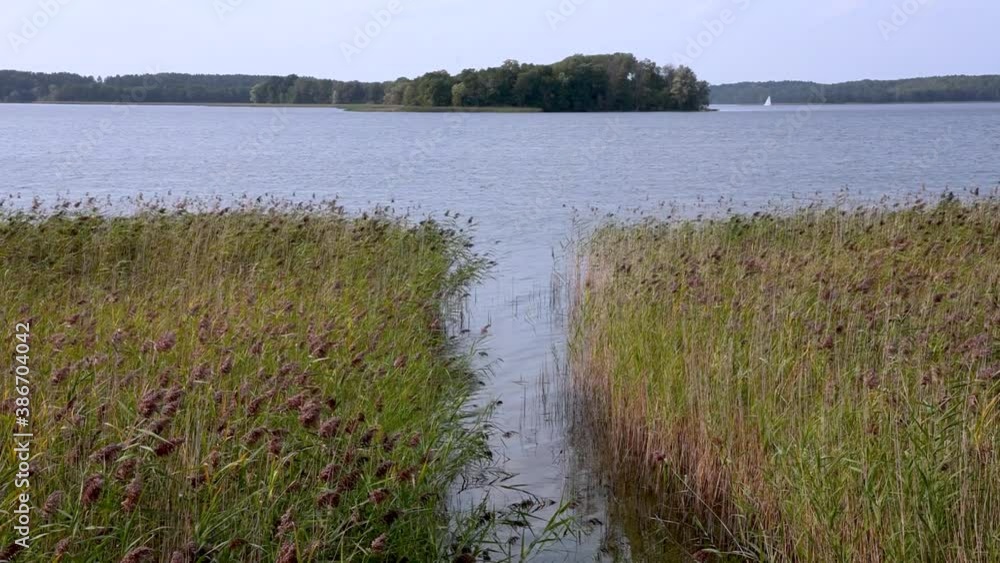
pixel 936 102
pixel 341 107
pixel 368 108
pixel 435 109
pixel 380 108
pixel 926 89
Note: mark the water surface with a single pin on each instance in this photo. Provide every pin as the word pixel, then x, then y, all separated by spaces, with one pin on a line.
pixel 523 178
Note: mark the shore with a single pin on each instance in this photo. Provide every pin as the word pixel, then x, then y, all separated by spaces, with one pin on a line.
pixel 343 107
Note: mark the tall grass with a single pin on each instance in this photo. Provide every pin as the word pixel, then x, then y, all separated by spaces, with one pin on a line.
pixel 822 385
pixel 265 382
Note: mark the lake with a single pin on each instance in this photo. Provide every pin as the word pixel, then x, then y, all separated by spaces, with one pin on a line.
pixel 528 180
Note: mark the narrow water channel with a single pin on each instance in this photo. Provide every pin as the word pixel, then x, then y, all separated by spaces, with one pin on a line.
pixel 546 460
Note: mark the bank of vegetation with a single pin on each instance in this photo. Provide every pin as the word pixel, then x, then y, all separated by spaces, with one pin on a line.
pixel 822 385
pixel 618 82
pixel 19 86
pixel 260 382
pixel 959 88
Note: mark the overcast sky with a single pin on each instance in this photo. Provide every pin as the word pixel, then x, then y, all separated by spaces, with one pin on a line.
pixel 723 40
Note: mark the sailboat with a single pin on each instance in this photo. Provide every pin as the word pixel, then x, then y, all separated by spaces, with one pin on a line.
pixel 767 103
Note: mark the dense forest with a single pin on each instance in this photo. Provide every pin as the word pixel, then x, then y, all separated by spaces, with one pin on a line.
pixel 618 82
pixel 930 89
pixel 17 86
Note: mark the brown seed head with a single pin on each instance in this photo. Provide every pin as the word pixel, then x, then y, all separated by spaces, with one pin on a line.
pixel 406 475
pixel 150 402
pixel 871 379
pixel 165 342
pixel 52 503
pixel 989 373
pixel 330 427
pixel 329 472
pixel 170 409
pixel 60 375
pixel 349 481
pixel 366 438
pixel 275 445
pixel 168 447
pixel 329 499
pixel 92 489
pixel 62 547
pixel 390 517
pixel 126 470
pixel 159 425
pixel 383 469
pixel 286 523
pixel 254 407
pixel 132 493
pixel 197 479
pixel 389 441
pixel 309 414
pixel 254 436
pixel 138 555
pixel 295 401
pixel 174 394
pixel 201 372
pixel 414 440
pixel 378 496
pixel 10 552
pixel 213 459
pixel 287 553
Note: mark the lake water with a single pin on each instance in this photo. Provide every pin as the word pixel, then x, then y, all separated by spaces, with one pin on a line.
pixel 523 177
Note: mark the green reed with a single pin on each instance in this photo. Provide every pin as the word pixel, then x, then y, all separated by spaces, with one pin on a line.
pixel 266 382
pixel 820 385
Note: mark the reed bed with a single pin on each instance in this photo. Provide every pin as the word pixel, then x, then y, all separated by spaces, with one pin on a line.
pixel 815 385
pixel 264 382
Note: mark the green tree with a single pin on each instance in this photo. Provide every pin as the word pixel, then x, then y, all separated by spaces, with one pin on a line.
pixel 434 89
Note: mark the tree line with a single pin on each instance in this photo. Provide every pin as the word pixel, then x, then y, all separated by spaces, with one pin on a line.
pixel 18 86
pixel 617 82
pixel 958 88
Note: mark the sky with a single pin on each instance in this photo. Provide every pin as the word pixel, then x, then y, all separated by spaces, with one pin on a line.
pixel 722 40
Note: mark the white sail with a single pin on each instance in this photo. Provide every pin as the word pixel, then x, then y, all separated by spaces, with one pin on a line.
pixel 768 102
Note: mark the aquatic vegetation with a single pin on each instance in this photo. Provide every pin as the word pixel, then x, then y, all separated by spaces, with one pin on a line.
pixel 264 382
pixel 820 385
